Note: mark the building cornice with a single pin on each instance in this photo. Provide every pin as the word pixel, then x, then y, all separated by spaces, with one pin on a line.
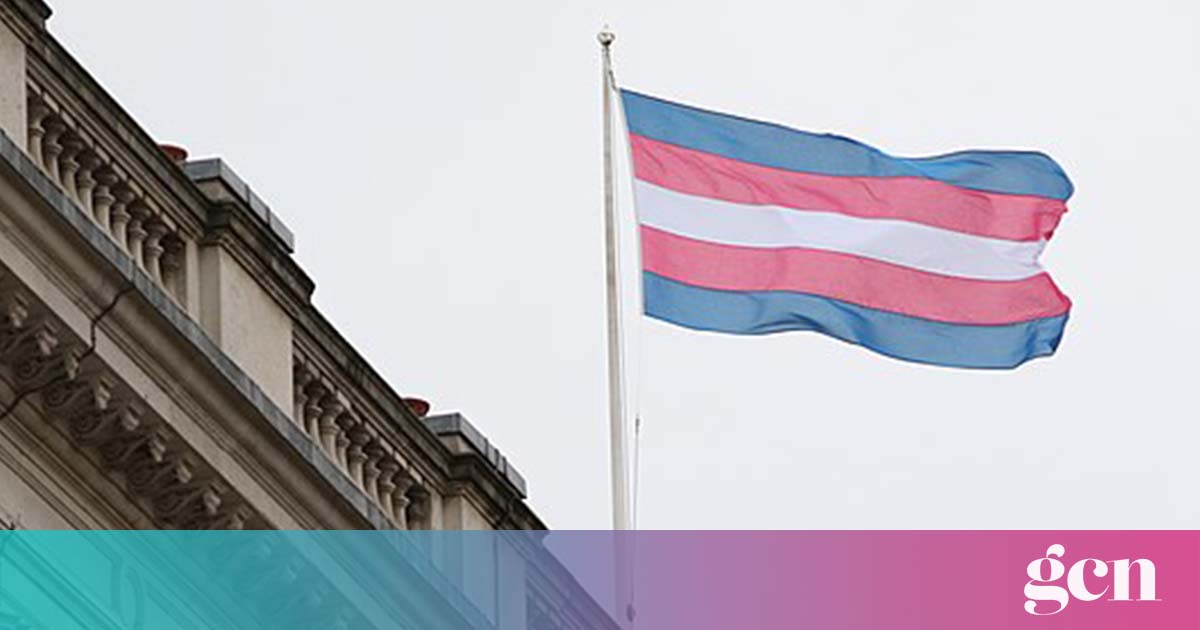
pixel 29 15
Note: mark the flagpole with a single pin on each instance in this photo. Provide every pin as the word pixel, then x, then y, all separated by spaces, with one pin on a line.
pixel 616 377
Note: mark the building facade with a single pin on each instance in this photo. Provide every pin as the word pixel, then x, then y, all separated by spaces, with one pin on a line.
pixel 161 362
pixel 170 367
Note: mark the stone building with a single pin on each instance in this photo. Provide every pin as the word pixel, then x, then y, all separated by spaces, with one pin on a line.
pixel 161 362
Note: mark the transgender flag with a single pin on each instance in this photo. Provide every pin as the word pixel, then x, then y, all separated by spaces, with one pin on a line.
pixel 750 228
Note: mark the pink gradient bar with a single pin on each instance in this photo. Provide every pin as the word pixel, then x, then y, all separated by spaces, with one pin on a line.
pixel 929 202
pixel 905 580
pixel 853 279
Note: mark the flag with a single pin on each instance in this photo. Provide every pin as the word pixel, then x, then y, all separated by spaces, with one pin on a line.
pixel 750 228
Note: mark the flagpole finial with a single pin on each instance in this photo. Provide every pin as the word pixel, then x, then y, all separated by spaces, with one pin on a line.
pixel 606 37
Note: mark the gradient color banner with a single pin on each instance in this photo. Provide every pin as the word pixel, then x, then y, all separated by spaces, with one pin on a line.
pixel 907 580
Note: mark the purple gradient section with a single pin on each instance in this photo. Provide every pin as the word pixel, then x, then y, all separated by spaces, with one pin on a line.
pixel 873 580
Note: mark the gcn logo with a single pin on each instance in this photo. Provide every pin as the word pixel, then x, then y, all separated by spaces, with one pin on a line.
pixel 1044 572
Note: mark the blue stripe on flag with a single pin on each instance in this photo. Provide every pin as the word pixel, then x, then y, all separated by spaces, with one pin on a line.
pixel 892 334
pixel 768 144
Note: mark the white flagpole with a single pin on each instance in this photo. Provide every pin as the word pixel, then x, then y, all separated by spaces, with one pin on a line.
pixel 616 376
pixel 621 514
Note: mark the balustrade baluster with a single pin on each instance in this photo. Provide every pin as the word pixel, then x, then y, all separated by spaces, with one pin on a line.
pixel 85 181
pixel 400 500
pixel 120 215
pixel 331 409
pixel 346 424
pixel 51 148
pixel 418 508
pixel 152 249
pixel 312 410
pixel 301 377
pixel 135 232
pixel 355 456
pixel 388 468
pixel 371 471
pixel 68 165
pixel 102 198
pixel 37 113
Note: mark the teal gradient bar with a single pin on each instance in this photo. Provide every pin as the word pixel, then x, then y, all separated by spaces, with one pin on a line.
pixel 161 580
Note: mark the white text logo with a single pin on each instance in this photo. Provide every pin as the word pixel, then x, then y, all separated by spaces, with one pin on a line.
pixel 1045 572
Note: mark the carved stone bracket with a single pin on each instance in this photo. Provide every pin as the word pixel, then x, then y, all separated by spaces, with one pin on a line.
pixel 100 415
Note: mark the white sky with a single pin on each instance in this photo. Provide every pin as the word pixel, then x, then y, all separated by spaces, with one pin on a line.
pixel 439 163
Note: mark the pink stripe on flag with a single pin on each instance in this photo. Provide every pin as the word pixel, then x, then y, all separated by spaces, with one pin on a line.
pixel 929 202
pixel 849 278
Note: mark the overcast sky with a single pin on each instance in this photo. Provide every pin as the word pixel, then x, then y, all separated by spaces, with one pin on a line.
pixel 440 165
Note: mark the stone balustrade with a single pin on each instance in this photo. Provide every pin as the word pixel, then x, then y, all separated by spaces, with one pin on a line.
pixel 368 457
pixel 93 177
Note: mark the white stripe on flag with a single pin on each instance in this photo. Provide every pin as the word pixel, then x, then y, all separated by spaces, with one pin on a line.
pixel 914 245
